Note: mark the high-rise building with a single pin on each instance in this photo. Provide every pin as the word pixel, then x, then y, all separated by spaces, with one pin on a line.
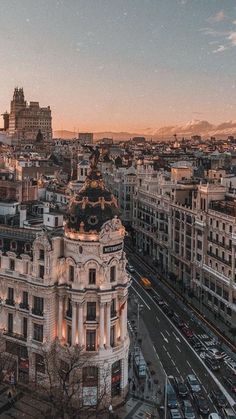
pixel 27 120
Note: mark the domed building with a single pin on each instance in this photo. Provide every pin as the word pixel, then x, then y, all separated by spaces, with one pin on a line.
pixel 70 286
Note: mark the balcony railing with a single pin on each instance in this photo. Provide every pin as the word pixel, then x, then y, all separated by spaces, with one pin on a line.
pixel 17 336
pixel 226 262
pixel 91 318
pixel 37 312
pixel 24 306
pixel 10 302
pixel 225 246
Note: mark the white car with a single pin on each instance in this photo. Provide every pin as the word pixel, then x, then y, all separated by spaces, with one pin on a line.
pixel 215 353
pixel 130 268
pixel 214 416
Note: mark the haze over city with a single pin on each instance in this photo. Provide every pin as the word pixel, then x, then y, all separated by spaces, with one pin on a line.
pixel 131 66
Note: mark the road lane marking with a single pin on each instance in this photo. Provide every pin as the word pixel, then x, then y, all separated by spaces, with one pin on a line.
pixel 176 337
pixel 167 332
pixel 165 339
pixel 158 319
pixel 217 382
pixel 167 353
pixel 141 298
pixel 178 348
pixel 189 365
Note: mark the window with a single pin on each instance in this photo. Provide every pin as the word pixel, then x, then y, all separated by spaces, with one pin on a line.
pixel 10 296
pixel 69 334
pixel 13 245
pixel 92 276
pixel 112 273
pixel 112 336
pixel 71 273
pixel 113 307
pixel 199 244
pixel 217 223
pixel 41 271
pixel 230 229
pixel 25 327
pixel 229 311
pixel 27 248
pixel 91 311
pixel 10 323
pixel 69 308
pixel 12 264
pixel 90 376
pixel 25 302
pixel 38 332
pixel 39 363
pixel 41 254
pixel 223 226
pixel 38 306
pixel 90 340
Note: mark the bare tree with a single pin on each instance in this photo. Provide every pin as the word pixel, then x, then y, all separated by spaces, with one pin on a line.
pixel 63 383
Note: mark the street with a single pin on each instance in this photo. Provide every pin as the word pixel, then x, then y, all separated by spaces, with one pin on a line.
pixel 174 351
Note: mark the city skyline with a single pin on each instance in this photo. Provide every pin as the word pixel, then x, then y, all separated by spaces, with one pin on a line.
pixel 121 65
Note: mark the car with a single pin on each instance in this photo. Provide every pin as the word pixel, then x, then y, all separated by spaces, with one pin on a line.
pixel 201 403
pixel 214 416
pixel 229 413
pixel 215 353
pixel 187 332
pixel 175 414
pixel 181 388
pixel 212 363
pixel 158 300
pixel 188 410
pixel 231 383
pixel 130 268
pixel 231 364
pixel 219 398
pixel 193 384
pixel 178 321
pixel 172 401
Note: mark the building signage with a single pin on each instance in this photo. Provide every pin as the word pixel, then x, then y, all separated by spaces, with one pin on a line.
pixel 111 249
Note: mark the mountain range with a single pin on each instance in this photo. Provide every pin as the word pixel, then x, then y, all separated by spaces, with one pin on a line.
pixel 194 127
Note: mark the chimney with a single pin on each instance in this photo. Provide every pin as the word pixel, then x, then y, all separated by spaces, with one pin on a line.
pixel 23 215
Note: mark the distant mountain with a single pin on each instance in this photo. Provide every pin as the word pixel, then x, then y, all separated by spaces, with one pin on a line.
pixel 194 127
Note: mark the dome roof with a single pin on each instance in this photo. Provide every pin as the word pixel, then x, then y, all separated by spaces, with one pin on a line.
pixel 92 206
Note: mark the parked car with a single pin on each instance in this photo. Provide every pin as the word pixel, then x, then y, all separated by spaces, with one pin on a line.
pixel 201 403
pixel 175 414
pixel 214 416
pixel 172 401
pixel 181 388
pixel 158 300
pixel 215 353
pixel 193 384
pixel 219 398
pixel 212 363
pixel 188 410
pixel 231 364
pixel 231 383
pixel 229 413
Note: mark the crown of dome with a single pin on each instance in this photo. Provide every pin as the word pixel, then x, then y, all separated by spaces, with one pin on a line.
pixel 92 206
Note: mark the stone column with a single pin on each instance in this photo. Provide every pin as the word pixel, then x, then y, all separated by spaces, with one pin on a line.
pixel 123 322
pixel 74 322
pixel 101 338
pixel 108 324
pixel 60 317
pixel 81 325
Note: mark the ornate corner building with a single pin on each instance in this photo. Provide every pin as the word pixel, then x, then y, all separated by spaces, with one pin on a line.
pixel 71 285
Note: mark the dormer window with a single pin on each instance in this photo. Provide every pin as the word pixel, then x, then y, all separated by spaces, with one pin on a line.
pixel 13 245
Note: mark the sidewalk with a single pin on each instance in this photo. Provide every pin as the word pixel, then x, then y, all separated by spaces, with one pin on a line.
pixel 145 395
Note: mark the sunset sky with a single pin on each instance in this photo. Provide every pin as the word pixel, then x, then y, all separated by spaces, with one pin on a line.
pixel 133 65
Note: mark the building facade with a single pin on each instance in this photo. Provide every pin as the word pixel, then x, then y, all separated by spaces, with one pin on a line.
pixel 26 121
pixel 69 285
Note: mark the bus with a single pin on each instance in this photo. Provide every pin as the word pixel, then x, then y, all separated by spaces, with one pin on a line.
pixel 146 283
